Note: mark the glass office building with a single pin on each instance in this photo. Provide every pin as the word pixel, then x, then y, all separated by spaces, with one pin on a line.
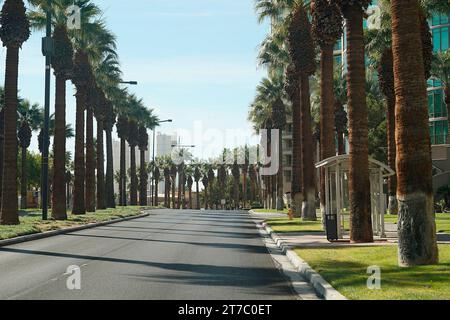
pixel 440 25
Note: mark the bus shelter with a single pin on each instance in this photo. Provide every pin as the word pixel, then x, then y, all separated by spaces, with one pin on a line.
pixel 337 192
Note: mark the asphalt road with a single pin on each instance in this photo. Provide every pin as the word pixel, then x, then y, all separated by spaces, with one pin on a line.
pixel 176 255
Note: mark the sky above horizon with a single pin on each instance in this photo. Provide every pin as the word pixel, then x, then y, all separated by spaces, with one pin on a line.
pixel 195 61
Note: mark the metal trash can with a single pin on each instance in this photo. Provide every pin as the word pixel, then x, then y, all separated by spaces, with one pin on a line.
pixel 331 227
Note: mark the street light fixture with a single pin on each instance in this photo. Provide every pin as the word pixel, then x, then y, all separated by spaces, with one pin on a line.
pixel 153 158
pixel 133 83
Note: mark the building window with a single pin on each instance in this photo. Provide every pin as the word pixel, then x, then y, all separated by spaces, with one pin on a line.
pixel 436 104
pixel 441 39
pixel 438 132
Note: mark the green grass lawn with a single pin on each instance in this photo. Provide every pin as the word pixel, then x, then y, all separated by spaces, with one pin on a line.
pixel 296 225
pixel 31 221
pixel 269 211
pixel 345 269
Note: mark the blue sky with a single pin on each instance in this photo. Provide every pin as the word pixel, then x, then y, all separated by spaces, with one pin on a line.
pixel 195 61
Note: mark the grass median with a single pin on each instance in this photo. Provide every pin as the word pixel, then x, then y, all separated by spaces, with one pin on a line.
pixel 346 270
pixel 31 221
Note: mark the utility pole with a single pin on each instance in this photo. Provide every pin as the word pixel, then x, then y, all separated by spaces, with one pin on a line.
pixel 47 50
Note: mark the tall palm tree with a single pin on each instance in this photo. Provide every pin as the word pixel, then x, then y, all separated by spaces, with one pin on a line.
pixel 123 132
pixel 99 113
pixel 416 225
pixel 359 184
pixel 90 150
pixel 133 140
pixel 156 179
pixel 197 177
pixel 211 180
pixel 190 183
pixel 143 175
pixel 173 177
pixel 62 63
pixel 14 31
pixel 236 179
pixel 327 29
pixel 205 183
pixel 292 88
pixel 301 48
pixel 110 119
pixel 30 118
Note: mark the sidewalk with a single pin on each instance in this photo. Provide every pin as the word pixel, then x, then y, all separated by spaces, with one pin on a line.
pixel 318 239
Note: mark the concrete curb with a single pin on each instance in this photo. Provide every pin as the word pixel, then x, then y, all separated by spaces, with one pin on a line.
pixel 48 234
pixel 322 287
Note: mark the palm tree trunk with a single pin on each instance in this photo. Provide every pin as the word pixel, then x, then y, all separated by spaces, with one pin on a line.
pixel 173 192
pixel 90 161
pixel 23 180
pixel 309 181
pixel 280 199
pixel 190 197
pixel 9 213
pixel 79 204
pixel 244 188
pixel 416 225
pixel 180 180
pixel 110 201
pixel 101 201
pixel 123 173
pixel 156 193
pixel 206 198
pixel 133 178
pixel 273 191
pixel 297 193
pixel 359 185
pixel 143 181
pixel 166 201
pixel 197 189
pixel 327 144
pixel 392 155
pixel 59 200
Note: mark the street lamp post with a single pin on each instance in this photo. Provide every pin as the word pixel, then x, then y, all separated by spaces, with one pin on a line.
pixel 123 180
pixel 153 160
pixel 47 50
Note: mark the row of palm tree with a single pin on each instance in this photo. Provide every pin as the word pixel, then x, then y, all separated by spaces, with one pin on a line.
pixel 88 58
pixel 304 33
pixel 236 183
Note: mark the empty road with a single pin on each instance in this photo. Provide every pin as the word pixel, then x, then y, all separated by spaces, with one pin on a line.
pixel 176 255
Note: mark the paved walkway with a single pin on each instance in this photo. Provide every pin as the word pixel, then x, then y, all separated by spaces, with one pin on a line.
pixel 318 239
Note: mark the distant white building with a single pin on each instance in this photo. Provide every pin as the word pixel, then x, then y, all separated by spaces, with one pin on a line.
pixel 164 144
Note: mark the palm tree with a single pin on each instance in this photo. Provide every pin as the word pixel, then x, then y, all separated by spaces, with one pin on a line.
pixel 30 118
pixel 143 175
pixel 222 180
pixel 236 179
pixel 301 48
pixel 417 228
pixel 205 183
pixel 156 179
pixel 441 70
pixel 359 185
pixel 327 29
pixel 14 31
pixel 62 63
pixel 90 150
pixel 123 132
pixel 197 177
pixel 173 177
pixel 292 88
pixel 211 179
pixel 110 119
pixel 99 113
pixel 133 140
pixel 190 183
